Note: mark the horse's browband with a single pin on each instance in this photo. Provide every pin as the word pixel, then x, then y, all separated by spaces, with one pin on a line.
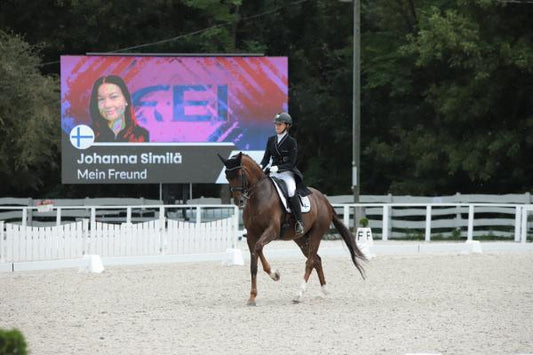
pixel 234 168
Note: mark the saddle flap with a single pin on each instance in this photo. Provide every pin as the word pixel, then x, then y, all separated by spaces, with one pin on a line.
pixel 281 188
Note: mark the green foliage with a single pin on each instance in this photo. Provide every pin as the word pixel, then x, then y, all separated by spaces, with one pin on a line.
pixel 458 123
pixel 29 118
pixel 12 342
pixel 446 84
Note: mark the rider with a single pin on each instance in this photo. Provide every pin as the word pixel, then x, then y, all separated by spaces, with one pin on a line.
pixel 283 150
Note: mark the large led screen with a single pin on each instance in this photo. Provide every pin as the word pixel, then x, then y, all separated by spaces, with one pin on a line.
pixel 148 119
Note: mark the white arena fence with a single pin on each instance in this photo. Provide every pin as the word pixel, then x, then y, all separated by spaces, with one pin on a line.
pixel 66 232
pixel 115 231
pixel 430 221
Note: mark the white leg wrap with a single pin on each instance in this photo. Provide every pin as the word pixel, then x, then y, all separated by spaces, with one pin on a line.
pixel 274 275
pixel 325 291
pixel 300 295
pixel 303 287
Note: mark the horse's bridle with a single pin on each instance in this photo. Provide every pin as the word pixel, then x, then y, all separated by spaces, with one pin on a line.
pixel 243 189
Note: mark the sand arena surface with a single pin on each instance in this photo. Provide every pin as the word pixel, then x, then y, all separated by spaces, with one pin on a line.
pixel 449 304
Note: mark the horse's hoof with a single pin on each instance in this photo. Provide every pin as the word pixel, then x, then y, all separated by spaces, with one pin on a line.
pixel 251 303
pixel 325 291
pixel 275 275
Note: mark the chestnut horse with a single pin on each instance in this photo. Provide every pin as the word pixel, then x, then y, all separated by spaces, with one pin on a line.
pixel 265 219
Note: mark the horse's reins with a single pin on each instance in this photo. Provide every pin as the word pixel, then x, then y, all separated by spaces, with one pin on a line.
pixel 244 184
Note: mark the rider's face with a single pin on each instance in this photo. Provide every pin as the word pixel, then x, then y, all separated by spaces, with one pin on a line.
pixel 280 127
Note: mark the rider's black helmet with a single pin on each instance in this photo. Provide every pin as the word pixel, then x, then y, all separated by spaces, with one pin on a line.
pixel 283 117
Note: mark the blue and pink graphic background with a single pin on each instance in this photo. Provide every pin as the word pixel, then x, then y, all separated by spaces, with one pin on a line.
pixel 185 99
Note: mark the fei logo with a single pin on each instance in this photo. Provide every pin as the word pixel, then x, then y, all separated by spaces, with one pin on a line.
pixel 82 136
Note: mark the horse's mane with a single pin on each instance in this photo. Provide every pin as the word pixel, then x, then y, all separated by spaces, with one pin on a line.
pixel 249 160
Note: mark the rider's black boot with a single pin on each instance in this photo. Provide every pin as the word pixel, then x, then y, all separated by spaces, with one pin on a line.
pixel 296 210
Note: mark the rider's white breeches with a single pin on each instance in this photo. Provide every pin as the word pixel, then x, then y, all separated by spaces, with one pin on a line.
pixel 288 177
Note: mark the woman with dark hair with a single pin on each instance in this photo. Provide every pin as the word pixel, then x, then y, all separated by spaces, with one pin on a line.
pixel 112 112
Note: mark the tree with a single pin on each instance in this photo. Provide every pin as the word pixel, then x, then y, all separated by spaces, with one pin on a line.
pixel 459 107
pixel 315 36
pixel 446 84
pixel 29 118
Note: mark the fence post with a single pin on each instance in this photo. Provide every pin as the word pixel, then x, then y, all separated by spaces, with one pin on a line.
pixel 428 223
pixel 128 215
pixel 458 215
pixel 346 216
pixel 162 218
pixel 24 217
pixel 162 230
pixel 58 216
pixel 385 223
pixel 470 233
pixel 2 244
pixel 524 224
pixel 198 215
pixel 29 216
pixel 517 223
pixel 390 215
pixel 92 224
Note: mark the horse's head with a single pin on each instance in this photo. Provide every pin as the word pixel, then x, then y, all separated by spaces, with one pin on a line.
pixel 242 173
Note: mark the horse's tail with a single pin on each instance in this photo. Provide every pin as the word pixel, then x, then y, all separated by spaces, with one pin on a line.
pixel 349 239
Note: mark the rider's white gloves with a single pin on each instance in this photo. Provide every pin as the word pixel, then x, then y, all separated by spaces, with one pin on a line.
pixel 274 169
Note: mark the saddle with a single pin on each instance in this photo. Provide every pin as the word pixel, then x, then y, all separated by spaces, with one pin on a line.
pixel 281 188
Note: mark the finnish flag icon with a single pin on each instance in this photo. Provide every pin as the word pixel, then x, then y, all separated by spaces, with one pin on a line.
pixel 82 136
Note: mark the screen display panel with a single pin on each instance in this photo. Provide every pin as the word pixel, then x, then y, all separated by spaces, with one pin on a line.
pixel 163 119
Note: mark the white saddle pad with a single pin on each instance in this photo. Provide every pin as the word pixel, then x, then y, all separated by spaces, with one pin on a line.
pixel 306 203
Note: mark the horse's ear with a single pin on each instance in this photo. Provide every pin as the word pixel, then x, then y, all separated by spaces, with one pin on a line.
pixel 222 159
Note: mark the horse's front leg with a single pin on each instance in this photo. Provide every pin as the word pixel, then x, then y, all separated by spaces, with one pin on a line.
pixel 253 270
pixel 268 235
pixel 274 275
pixel 255 246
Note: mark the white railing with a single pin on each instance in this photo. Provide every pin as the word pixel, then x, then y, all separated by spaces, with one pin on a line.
pixel 27 234
pixel 444 220
pixel 115 231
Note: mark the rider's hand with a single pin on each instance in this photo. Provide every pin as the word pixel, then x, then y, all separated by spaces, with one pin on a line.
pixel 274 169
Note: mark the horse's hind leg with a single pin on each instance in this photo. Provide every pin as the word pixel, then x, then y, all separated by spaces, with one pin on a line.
pixel 320 273
pixel 304 247
pixel 309 247
pixel 309 264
